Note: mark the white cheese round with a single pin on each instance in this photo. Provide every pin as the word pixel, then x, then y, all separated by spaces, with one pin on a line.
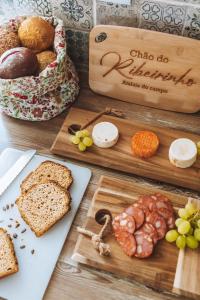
pixel 183 153
pixel 105 135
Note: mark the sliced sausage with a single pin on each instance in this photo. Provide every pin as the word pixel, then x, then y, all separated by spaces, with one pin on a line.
pixel 165 209
pixel 156 200
pixel 165 213
pixel 163 198
pixel 126 241
pixel 149 229
pixel 143 207
pixel 147 201
pixel 171 222
pixel 144 244
pixel 158 222
pixel 124 222
pixel 137 213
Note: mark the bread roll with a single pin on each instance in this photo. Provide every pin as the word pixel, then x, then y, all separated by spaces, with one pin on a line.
pixel 8 40
pixel 37 34
pixel 18 62
pixel 45 58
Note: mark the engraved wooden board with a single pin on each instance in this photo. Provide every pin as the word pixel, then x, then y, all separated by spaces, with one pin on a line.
pixel 145 67
pixel 120 156
pixel 157 271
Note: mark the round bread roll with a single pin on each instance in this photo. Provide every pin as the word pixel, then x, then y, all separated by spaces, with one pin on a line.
pixel 18 62
pixel 8 40
pixel 36 34
pixel 45 58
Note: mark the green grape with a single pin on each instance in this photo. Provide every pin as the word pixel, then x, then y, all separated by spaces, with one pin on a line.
pixel 79 134
pixel 87 141
pixel 182 212
pixel 178 221
pixel 191 242
pixel 198 223
pixel 197 234
pixel 85 132
pixel 181 241
pixel 75 140
pixel 191 231
pixel 81 147
pixel 190 208
pixel 184 227
pixel 171 235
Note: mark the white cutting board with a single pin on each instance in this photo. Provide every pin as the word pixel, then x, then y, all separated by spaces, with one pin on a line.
pixel 35 270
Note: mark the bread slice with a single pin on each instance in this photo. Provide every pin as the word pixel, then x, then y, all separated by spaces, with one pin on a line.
pixel 43 205
pixel 48 170
pixel 8 261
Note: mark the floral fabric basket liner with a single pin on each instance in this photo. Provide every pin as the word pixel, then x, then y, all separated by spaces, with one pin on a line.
pixel 47 95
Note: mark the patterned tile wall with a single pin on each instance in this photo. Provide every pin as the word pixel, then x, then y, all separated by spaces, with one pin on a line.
pixel 192 23
pixel 33 7
pixel 78 48
pixel 181 17
pixel 116 14
pixel 77 14
pixel 162 16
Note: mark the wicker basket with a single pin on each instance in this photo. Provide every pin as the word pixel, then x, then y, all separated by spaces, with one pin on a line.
pixel 47 95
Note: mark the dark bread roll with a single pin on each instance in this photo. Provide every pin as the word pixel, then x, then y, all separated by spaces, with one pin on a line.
pixel 18 62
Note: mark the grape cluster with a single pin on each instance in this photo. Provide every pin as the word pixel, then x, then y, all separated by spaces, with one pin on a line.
pixel 187 232
pixel 82 139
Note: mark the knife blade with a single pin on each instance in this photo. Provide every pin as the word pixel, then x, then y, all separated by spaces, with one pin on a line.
pixel 14 171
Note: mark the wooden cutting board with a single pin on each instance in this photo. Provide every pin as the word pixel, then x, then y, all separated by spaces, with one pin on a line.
pixel 120 156
pixel 145 67
pixel 187 276
pixel 157 271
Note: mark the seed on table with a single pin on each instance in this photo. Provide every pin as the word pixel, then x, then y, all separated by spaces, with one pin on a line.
pixel 9 225
pixel 15 235
pixel 24 230
pixel 32 251
pixel 7 206
pixel 22 247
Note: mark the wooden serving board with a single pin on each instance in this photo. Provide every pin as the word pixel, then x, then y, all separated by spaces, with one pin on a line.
pixel 187 276
pixel 145 67
pixel 157 271
pixel 120 156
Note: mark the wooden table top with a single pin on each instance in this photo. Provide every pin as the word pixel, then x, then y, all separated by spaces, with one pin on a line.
pixel 69 280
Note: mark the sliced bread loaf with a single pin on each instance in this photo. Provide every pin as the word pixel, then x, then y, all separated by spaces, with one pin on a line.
pixel 48 170
pixel 43 205
pixel 8 261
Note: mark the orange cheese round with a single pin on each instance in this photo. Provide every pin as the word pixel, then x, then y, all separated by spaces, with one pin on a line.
pixel 144 144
